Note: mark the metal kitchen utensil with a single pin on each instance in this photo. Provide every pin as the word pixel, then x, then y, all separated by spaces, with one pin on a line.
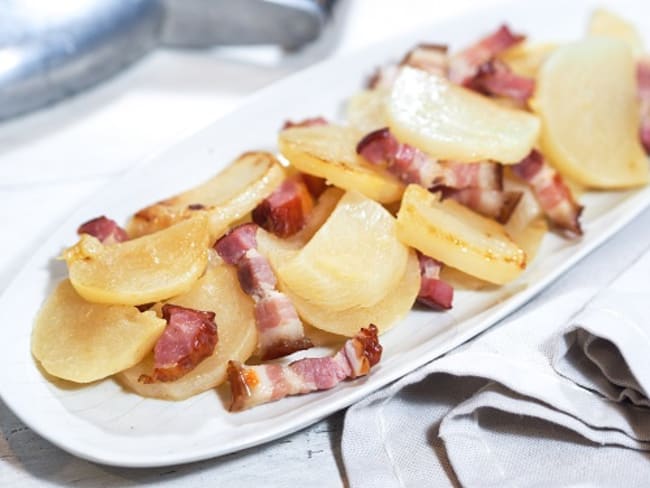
pixel 50 49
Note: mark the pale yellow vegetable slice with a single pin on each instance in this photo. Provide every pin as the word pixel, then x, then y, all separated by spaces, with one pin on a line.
pixel 83 342
pixel 329 151
pixel 352 261
pixel 586 98
pixel 604 23
pixel 366 110
pixel 451 122
pixel 218 291
pixel 148 269
pixel 392 307
pixel 227 197
pixel 458 237
pixel 525 58
pixel 387 312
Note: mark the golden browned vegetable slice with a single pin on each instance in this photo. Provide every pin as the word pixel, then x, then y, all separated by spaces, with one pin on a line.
pixel 217 291
pixel 450 122
pixel 458 237
pixel 148 269
pixel 329 151
pixel 604 23
pixel 352 261
pixel 83 342
pixel 226 198
pixel 586 98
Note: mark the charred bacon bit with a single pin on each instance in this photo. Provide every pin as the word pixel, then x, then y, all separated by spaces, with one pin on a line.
pixel 285 211
pixel 465 65
pixel 553 195
pixel 104 229
pixel 189 338
pixel 494 77
pixel 255 385
pixel 310 122
pixel 643 91
pixel 280 331
pixel 434 292
pixel 494 204
pixel 431 58
pixel 234 245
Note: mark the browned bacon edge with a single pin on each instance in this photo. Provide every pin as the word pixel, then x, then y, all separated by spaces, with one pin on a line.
pixel 643 91
pixel 190 337
pixel 104 229
pixel 280 330
pixel 285 211
pixel 255 385
pixel 434 292
pixel 553 195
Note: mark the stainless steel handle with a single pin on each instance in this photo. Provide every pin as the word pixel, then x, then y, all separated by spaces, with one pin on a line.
pixel 50 49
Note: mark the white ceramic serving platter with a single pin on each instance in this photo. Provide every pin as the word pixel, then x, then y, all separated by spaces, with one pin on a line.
pixel 104 423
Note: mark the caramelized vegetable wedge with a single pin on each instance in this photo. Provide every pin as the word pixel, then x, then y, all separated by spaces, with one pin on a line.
pixel 391 308
pixel 329 151
pixel 449 122
pixel 356 246
pixel 218 291
pixel 226 198
pixel 144 270
pixel 453 234
pixel 604 23
pixel 586 98
pixel 83 342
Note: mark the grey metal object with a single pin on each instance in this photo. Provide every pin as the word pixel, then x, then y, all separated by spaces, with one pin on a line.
pixel 50 49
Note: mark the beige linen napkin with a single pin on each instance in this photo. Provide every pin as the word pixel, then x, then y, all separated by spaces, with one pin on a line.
pixel 556 396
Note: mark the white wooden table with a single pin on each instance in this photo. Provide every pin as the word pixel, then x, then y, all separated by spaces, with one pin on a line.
pixel 101 134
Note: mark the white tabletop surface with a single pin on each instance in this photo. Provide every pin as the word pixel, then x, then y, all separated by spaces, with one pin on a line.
pixel 51 161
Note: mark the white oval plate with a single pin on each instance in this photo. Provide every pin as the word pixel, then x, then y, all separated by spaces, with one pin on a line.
pixel 103 423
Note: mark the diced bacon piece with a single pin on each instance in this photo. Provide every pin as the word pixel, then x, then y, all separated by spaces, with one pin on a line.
pixel 494 204
pixel 255 385
pixel 279 328
pixel 189 338
pixel 434 292
pixel 255 275
pixel 311 122
pixel 431 58
pixel 465 65
pixel 487 175
pixel 411 165
pixel 643 90
pixel 407 163
pixel 104 229
pixel 285 211
pixel 494 77
pixel 234 245
pixel 553 195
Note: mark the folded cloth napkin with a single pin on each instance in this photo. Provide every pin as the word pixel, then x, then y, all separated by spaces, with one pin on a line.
pixel 556 396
